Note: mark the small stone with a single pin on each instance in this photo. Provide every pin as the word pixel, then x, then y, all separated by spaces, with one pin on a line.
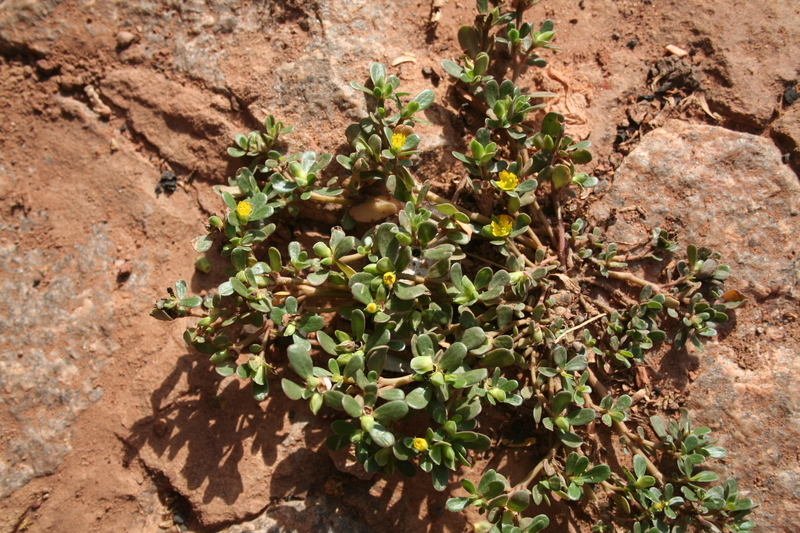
pixel 790 96
pixel 676 50
pixel 125 39
pixel 47 67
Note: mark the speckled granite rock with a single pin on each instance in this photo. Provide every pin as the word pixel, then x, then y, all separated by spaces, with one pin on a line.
pixel 312 515
pixel 717 188
pixel 53 342
pixel 730 191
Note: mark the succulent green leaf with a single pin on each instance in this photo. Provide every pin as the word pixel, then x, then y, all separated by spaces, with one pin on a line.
pixel 519 501
pixel 597 474
pixel 342 427
pixel 457 504
pixel 361 293
pixel 639 465
pixel 191 301
pixel 569 438
pixel 425 99
pixel 226 368
pixel 419 397
pixel 381 436
pixel 351 406
pixel 453 357
pixel 334 399
pixel 409 292
pixel 552 124
pixel 300 361
pixel 392 394
pixel 537 524
pixel 497 358
pixel 394 410
pixel 452 68
pixel 473 337
pixel 260 392
pixel 580 417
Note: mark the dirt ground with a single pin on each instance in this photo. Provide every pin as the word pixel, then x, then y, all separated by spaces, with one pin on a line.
pixel 107 421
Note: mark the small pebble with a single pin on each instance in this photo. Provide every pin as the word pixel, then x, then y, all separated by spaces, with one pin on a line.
pixel 125 39
pixel 790 96
pixel 677 51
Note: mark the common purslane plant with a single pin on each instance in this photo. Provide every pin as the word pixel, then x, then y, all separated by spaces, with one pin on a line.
pixel 418 313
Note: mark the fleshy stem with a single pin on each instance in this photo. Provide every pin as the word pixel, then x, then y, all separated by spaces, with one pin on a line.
pixel 634 439
pixel 480 219
pixel 533 474
pixel 474 217
pixel 537 211
pixel 296 282
pixel 579 326
pixel 393 383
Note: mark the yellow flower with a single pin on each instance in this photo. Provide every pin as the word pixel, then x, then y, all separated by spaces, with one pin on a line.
pixel 508 181
pixel 243 209
pixel 398 140
pixel 502 226
pixel 372 307
pixel 421 445
pixel 390 278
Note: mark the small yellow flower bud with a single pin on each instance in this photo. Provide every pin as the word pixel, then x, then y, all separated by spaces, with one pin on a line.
pixel 561 423
pixel 372 308
pixel 421 445
pixel 203 265
pixel 243 209
pixel 508 181
pixel 389 278
pixel 367 422
pixel 502 226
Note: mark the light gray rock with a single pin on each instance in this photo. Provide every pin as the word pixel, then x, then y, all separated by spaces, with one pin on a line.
pixel 729 191
pixel 313 515
pixel 19 28
pixel 717 188
pixel 125 39
pixel 54 340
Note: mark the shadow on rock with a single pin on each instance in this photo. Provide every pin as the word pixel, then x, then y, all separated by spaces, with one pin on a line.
pixel 234 458
pixel 207 434
pixel 214 441
pixel 396 504
pixel 675 367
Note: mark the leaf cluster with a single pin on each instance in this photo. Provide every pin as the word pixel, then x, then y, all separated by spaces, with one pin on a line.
pixel 417 315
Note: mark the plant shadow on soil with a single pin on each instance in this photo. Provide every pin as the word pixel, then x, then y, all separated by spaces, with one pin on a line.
pixel 216 430
pixel 208 426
